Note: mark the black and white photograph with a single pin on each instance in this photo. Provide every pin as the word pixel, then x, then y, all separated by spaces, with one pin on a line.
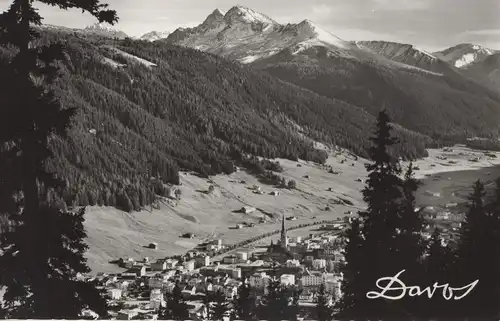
pixel 211 160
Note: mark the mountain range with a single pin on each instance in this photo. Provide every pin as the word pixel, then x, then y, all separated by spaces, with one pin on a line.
pixel 242 84
pixel 367 74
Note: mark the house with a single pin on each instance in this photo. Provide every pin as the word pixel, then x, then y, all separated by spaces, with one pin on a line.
pixel 188 292
pixel 287 279
pixel 230 259
pixel 171 264
pixel 156 299
pixel 127 262
pixel 319 264
pixel 189 265
pixel 275 193
pixel 129 275
pixel 153 246
pixel 231 292
pixel 156 282
pixel 259 281
pixel 247 209
pixel 159 265
pixel 138 270
pixel 202 260
pixel 115 294
pixel 242 256
pixel 127 314
pixel 292 263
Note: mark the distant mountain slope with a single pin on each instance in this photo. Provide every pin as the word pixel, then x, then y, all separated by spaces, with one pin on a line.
pixel 408 54
pixel 147 109
pixel 154 35
pixel 444 107
pixel 487 70
pixel 462 55
pixel 106 30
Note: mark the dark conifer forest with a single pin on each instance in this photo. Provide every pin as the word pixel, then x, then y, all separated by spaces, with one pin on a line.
pixel 137 126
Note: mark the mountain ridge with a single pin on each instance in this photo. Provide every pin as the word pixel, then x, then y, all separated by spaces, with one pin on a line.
pixel 389 75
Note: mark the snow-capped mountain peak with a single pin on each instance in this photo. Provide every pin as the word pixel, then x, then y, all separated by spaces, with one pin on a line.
pixel 463 55
pixel 308 30
pixel 105 29
pixel 243 14
pixel 100 26
pixel 214 19
pixel 154 35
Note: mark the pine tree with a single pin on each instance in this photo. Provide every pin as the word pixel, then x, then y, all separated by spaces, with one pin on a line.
pixel 476 258
pixel 409 244
pixel 219 307
pixel 324 311
pixel 293 296
pixel 374 247
pixel 45 248
pixel 438 268
pixel 176 308
pixel 275 302
pixel 245 303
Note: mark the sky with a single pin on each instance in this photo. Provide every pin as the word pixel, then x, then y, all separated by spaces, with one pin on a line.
pixel 429 24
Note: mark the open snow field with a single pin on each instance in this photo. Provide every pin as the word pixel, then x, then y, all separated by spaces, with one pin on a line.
pixel 113 234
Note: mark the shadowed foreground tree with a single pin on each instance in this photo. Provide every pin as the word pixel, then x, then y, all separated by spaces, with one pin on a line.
pixel 219 306
pixel 477 257
pixel 44 249
pixel 176 308
pixel 274 304
pixel 245 304
pixel 439 266
pixel 324 309
pixel 386 239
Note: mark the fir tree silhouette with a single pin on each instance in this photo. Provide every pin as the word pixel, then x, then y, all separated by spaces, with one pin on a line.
pixel 439 266
pixel 219 306
pixel 324 310
pixel 245 304
pixel 275 302
pixel 176 308
pixel 477 258
pixel 44 249
pixel 377 242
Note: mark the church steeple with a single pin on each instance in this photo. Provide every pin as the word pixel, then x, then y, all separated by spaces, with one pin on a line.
pixel 284 238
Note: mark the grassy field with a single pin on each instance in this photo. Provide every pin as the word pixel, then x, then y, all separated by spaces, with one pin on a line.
pixel 113 234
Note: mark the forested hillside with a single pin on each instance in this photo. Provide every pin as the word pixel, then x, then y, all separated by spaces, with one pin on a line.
pixel 449 107
pixel 192 111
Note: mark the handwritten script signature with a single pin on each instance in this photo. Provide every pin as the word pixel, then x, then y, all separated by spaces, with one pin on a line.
pixel 448 291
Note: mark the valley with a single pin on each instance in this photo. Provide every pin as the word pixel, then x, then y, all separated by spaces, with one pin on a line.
pixel 114 234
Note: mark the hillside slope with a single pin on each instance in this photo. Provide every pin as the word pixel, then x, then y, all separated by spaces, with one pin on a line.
pixel 114 234
pixel 446 107
pixel 487 70
pixel 408 54
pixel 147 110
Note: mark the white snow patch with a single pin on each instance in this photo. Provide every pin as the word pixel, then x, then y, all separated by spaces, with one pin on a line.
pixel 132 57
pixel 465 60
pixel 425 52
pixel 249 15
pixel 249 59
pixel 112 63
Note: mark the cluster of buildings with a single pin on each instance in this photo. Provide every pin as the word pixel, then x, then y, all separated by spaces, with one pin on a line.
pixel 306 263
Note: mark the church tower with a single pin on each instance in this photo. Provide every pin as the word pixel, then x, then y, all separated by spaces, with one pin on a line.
pixel 284 238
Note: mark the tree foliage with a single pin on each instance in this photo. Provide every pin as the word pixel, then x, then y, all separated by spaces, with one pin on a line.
pixel 43 249
pixel 387 237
